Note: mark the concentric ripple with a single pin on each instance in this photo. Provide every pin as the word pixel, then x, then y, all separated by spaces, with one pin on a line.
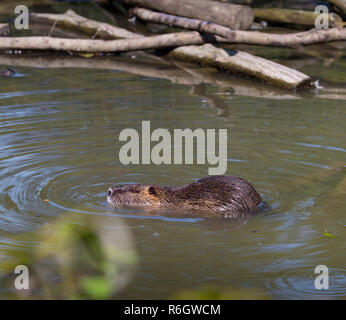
pixel 300 284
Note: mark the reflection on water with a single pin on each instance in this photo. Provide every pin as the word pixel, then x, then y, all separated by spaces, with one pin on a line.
pixel 59 154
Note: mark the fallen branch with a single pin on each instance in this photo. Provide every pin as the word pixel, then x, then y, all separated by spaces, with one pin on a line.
pixel 170 40
pixel 312 36
pixel 186 23
pixel 294 17
pixel 73 21
pixel 245 63
pixel 85 45
pixel 226 14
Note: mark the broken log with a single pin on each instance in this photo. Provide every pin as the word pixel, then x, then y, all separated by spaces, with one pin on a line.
pixel 245 63
pixel 293 17
pixel 233 16
pixel 181 22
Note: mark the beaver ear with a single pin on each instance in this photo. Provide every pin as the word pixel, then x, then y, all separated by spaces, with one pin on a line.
pixel 152 191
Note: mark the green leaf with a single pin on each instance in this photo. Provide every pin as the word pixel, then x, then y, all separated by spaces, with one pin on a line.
pixel 329 235
pixel 97 287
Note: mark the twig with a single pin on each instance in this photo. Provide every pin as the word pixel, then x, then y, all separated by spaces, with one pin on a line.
pixel 52 29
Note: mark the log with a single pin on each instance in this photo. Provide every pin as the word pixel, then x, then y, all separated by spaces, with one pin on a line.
pixel 294 17
pixel 245 63
pixel 73 21
pixel 310 37
pixel 233 16
pixel 181 22
pixel 340 4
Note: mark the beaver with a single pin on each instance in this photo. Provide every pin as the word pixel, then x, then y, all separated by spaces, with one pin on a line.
pixel 213 194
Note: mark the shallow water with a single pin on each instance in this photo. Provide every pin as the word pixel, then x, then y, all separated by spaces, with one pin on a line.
pixel 59 154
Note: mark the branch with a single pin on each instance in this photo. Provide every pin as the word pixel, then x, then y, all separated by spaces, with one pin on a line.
pixel 73 21
pixel 170 40
pixel 312 36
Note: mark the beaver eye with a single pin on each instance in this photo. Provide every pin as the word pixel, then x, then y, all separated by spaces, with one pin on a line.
pixel 152 191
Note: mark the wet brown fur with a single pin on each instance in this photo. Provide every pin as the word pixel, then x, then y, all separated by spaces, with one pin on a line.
pixel 231 195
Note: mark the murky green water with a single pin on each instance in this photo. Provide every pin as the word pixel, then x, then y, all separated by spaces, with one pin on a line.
pixel 59 154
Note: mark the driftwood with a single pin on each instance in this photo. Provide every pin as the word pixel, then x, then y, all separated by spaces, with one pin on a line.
pixel 73 21
pixel 312 36
pixel 340 4
pixel 186 23
pixel 294 17
pixel 170 40
pixel 205 55
pixel 226 14
pixel 240 63
pixel 245 63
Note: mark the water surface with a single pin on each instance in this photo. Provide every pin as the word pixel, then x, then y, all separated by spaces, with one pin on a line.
pixel 59 148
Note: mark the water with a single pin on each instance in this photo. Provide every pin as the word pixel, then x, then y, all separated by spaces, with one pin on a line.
pixel 59 149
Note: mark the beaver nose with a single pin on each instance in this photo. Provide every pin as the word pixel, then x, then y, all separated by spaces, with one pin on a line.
pixel 109 192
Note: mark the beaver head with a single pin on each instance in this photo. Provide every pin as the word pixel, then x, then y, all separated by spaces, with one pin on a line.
pixel 135 195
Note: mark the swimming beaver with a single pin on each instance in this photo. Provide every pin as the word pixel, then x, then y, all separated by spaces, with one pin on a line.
pixel 214 194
